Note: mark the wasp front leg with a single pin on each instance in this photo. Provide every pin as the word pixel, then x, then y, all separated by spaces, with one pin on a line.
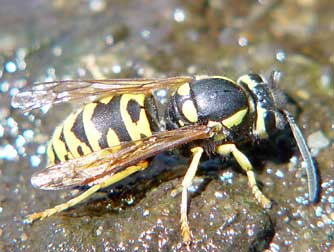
pixel 226 149
pixel 186 183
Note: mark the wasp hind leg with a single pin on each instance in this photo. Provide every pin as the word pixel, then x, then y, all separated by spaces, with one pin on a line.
pixel 61 207
pixel 105 183
pixel 186 183
pixel 245 164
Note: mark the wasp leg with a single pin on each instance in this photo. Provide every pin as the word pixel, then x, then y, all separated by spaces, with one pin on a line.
pixel 105 183
pixel 186 183
pixel 197 182
pixel 245 164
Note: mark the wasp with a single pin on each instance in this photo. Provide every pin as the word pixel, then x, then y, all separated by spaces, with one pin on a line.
pixel 124 122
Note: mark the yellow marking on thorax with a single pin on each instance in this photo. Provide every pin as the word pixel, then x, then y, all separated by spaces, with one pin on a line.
pixel 112 138
pixel 189 111
pixel 58 145
pixel 235 119
pixel 181 123
pixel 218 127
pixel 184 89
pixel 142 126
pixel 72 141
pixel 92 134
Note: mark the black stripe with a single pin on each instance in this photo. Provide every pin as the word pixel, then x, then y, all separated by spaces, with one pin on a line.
pixel 108 116
pixel 156 113
pixel 257 78
pixel 56 158
pixel 80 151
pixel 79 130
pixel 62 138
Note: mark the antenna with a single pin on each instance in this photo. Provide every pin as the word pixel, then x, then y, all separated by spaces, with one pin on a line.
pixel 311 169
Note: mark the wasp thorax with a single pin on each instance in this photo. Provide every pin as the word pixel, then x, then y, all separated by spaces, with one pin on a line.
pixel 208 99
pixel 218 99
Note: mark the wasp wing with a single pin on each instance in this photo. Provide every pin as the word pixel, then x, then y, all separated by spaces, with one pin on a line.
pixel 50 93
pixel 107 162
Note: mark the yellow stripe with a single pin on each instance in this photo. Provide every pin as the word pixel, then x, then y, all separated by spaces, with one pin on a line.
pixel 248 81
pixel 142 126
pixel 112 138
pixel 106 100
pixel 72 141
pixel 235 119
pixel 58 145
pixel 51 155
pixel 92 134
pixel 189 111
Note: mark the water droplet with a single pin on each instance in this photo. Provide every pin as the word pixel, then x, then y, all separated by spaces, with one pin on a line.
pixel 28 134
pixel 116 69
pixel 179 15
pixel 4 86
pixel 145 34
pixel 97 5
pixel 41 149
pixel 279 174
pixel 281 56
pixel 146 213
pixel 35 160
pixel 57 51
pixel 20 141
pixel 10 67
pixel 2 131
pixel 8 152
pixel 243 41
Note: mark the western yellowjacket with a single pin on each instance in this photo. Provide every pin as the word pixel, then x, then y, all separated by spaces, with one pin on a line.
pixel 126 121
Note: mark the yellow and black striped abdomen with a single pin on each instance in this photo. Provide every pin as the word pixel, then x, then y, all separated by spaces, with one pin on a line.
pixel 100 124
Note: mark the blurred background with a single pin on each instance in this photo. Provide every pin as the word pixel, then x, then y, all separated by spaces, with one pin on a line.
pixel 95 39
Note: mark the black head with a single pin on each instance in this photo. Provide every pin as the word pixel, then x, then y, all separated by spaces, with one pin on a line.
pixel 268 106
pixel 266 103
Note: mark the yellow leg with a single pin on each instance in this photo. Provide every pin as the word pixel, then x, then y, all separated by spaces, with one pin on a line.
pixel 186 183
pixel 105 183
pixel 243 161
